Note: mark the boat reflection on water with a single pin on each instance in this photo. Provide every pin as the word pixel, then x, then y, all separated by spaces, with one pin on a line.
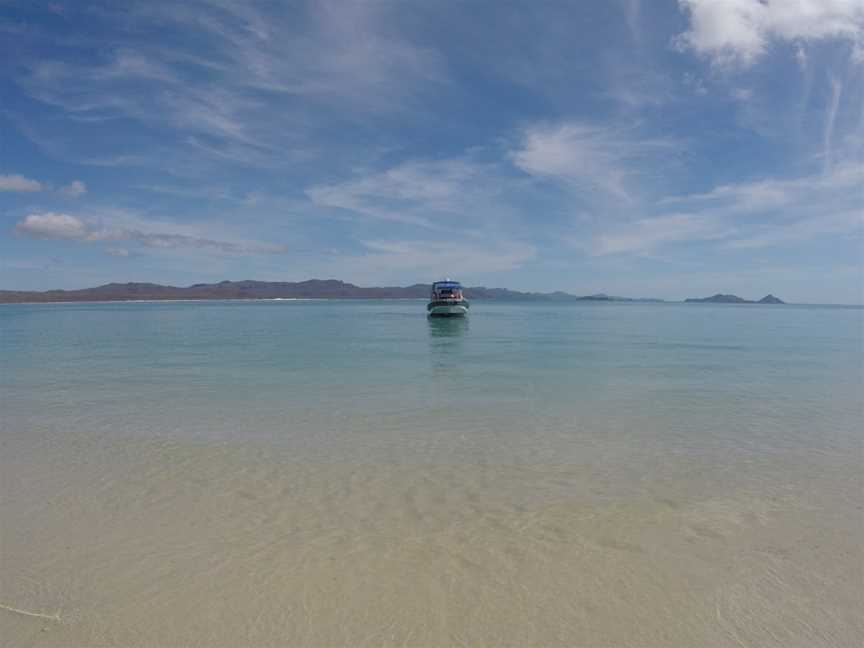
pixel 447 327
pixel 446 338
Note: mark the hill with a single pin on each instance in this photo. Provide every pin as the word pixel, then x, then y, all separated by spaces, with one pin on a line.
pixel 720 298
pixel 311 289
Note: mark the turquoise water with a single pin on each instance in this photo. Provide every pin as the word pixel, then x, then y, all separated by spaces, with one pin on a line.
pixel 709 377
pixel 353 473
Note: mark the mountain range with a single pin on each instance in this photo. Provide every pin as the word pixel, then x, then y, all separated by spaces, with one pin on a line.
pixel 311 289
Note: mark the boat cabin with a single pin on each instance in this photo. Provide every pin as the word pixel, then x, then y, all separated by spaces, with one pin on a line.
pixel 444 290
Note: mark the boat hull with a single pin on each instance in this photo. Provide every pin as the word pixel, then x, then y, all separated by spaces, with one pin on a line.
pixel 444 309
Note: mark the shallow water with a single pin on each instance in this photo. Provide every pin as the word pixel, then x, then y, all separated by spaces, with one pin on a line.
pixel 351 473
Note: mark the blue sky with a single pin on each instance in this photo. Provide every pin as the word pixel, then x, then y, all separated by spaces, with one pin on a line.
pixel 659 149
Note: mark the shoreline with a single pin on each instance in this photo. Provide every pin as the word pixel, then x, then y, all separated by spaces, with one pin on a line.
pixel 411 299
pixel 187 299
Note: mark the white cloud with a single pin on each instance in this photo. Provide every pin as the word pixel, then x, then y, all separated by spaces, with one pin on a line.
pixel 739 31
pixel 591 156
pixel 57 226
pixel 117 252
pixel 17 182
pixel 74 189
pixel 51 225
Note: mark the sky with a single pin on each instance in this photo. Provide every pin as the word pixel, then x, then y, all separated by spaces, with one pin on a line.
pixel 662 148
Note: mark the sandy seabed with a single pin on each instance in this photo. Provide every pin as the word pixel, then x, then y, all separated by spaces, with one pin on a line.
pixel 167 543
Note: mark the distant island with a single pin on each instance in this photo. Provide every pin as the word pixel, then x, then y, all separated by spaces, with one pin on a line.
pixel 311 289
pixel 733 299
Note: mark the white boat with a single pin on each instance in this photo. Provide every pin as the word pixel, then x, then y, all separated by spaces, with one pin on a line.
pixel 447 300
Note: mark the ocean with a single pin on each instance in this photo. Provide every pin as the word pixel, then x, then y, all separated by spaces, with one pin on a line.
pixel 325 473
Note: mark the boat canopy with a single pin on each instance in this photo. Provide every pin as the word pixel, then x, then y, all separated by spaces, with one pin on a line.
pixel 446 284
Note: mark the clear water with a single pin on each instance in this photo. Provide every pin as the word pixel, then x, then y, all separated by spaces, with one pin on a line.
pixel 745 422
pixel 691 378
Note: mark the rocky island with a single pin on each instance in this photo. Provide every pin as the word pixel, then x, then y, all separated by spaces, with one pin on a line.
pixel 733 299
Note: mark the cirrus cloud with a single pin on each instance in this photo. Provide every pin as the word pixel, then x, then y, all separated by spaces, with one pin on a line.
pixel 759 214
pixel 412 192
pixel 595 157
pixel 649 234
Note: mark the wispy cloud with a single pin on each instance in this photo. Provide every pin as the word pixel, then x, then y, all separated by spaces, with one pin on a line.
pixel 397 260
pixel 844 185
pixel 413 192
pixel 650 234
pixel 65 227
pixel 459 204
pixel 760 214
pixel 118 89
pixel 74 189
pixel 246 82
pixel 632 14
pixel 17 182
pixel 591 157
pixel 830 122
pixel 613 163
pixel 844 223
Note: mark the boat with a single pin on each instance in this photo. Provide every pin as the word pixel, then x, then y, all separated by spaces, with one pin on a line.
pixel 447 300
